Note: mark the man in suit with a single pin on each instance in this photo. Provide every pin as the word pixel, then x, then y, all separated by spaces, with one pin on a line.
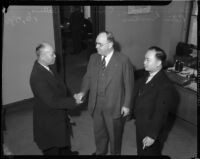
pixel 51 127
pixel 76 26
pixel 153 97
pixel 109 81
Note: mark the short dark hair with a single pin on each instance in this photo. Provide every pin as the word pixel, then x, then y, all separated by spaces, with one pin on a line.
pixel 160 53
pixel 38 49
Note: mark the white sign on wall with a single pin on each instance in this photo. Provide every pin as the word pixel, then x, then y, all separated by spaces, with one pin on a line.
pixel 138 9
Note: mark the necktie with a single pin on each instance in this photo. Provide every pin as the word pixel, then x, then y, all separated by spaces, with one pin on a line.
pixel 103 63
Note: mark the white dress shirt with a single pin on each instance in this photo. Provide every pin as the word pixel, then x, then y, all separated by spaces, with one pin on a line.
pixel 108 57
pixel 46 67
pixel 151 75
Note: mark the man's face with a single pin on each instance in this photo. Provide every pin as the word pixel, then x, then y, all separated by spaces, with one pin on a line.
pixel 151 63
pixel 48 55
pixel 102 45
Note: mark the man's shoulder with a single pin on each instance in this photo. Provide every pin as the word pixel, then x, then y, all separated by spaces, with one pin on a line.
pixel 35 67
pixel 37 71
pixel 122 57
pixel 94 56
pixel 164 80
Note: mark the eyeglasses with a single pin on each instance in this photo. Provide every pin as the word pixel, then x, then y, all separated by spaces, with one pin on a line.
pixel 101 45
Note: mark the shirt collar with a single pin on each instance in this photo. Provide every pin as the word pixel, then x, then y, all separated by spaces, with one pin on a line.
pixel 46 67
pixel 108 57
pixel 154 73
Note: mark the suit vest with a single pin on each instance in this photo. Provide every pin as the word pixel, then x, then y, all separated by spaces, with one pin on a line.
pixel 102 76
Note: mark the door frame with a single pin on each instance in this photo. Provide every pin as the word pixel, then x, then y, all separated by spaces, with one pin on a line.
pixel 58 41
pixel 98 21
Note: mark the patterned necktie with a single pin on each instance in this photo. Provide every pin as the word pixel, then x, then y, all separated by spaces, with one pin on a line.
pixel 103 63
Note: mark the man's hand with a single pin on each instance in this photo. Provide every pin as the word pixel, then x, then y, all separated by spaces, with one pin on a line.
pixel 124 111
pixel 78 97
pixel 147 141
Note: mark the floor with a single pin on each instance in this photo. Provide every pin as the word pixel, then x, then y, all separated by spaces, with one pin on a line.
pixel 18 139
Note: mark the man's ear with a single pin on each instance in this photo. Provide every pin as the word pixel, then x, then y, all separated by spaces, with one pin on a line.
pixel 159 63
pixel 110 45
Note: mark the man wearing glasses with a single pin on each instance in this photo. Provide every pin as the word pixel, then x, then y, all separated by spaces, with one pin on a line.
pixel 109 81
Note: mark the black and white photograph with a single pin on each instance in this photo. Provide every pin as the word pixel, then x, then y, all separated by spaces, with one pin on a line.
pixel 100 79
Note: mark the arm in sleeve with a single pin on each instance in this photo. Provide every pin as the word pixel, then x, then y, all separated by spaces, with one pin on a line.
pixel 85 86
pixel 128 83
pixel 160 113
pixel 45 93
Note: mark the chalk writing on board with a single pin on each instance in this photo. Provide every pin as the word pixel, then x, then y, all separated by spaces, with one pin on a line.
pixel 43 10
pixel 155 16
pixel 151 17
pixel 12 20
pixel 175 18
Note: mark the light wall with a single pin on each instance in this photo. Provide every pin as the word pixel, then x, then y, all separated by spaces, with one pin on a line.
pixel 27 26
pixel 163 26
pixel 24 28
pixel 87 12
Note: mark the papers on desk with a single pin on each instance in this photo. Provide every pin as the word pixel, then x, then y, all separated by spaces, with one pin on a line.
pixel 192 85
pixel 184 73
pixel 194 53
pixel 187 70
pixel 183 77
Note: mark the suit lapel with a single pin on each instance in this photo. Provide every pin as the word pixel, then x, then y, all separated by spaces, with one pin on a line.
pixel 153 82
pixel 45 72
pixel 52 79
pixel 98 64
pixel 97 68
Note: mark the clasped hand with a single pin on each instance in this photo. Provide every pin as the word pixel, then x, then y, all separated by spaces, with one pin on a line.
pixel 79 97
pixel 124 111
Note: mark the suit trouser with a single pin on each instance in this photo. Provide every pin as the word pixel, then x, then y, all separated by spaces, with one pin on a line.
pixel 107 129
pixel 153 150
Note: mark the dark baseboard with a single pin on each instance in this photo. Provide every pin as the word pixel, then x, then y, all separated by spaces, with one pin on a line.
pixel 14 107
pixel 23 104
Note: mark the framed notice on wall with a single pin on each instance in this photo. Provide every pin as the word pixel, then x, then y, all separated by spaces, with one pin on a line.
pixel 139 9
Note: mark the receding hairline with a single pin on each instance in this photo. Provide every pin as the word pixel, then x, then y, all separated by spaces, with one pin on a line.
pixel 108 36
pixel 42 46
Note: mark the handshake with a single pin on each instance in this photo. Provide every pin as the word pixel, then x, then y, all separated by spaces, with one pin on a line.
pixel 79 98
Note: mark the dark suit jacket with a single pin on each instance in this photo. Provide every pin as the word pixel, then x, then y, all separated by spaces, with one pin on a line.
pixel 152 103
pixel 50 123
pixel 119 83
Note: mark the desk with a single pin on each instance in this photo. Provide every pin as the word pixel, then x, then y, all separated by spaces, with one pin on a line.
pixel 187 107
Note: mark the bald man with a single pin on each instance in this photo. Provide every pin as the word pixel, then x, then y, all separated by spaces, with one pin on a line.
pixel 51 127
pixel 109 81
